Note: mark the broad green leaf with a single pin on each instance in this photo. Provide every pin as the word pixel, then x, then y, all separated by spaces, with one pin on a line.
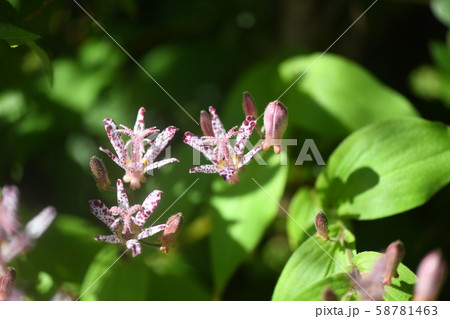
pixel 14 35
pixel 244 211
pixel 401 288
pixel 340 284
pixel 441 10
pixel 386 168
pixel 336 96
pixel 108 280
pixel 312 262
pixel 303 209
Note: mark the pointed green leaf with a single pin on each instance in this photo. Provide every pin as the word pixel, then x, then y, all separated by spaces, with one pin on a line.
pixel 386 168
pixel 311 263
pixel 244 211
pixel 401 288
pixel 340 284
pixel 336 96
pixel 14 35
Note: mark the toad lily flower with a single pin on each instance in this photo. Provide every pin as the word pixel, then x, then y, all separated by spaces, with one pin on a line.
pixel 139 161
pixel 226 159
pixel 127 229
pixel 15 241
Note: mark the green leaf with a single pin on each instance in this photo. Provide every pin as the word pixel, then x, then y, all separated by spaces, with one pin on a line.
pixel 244 211
pixel 44 59
pixel 107 280
pixel 337 96
pixel 340 284
pixel 311 263
pixel 303 209
pixel 401 288
pixel 386 168
pixel 441 55
pixel 14 35
pixel 441 10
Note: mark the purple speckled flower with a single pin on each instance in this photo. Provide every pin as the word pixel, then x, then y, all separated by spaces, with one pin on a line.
pixel 8 207
pixel 226 159
pixel 122 221
pixel 13 241
pixel 138 160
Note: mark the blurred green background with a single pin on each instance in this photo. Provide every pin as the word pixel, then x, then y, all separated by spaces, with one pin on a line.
pixel 203 53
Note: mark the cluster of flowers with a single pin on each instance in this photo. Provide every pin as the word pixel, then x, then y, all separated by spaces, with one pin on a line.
pixel 14 241
pixel 137 157
pixel 138 154
pixel 431 272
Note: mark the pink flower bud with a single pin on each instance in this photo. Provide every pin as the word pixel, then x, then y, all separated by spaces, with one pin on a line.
pixel 322 226
pixel 430 277
pixel 100 173
pixel 275 124
pixel 249 105
pixel 205 124
pixel 6 282
pixel 394 255
pixel 171 232
pixel 329 295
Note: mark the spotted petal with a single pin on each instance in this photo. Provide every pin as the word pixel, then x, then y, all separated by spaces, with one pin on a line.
pixel 150 231
pixel 247 157
pixel 245 131
pixel 116 139
pixel 149 205
pixel 122 198
pixel 208 169
pixel 39 223
pixel 160 164
pixel 134 246
pixel 227 173
pixel 112 239
pixel 160 143
pixel 8 208
pixel 199 144
pixel 139 125
pixel 219 130
pixel 112 156
pixel 101 211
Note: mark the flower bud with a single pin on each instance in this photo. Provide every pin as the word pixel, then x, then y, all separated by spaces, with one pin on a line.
pixel 6 282
pixel 322 226
pixel 329 295
pixel 394 255
pixel 100 173
pixel 171 232
pixel 275 124
pixel 205 124
pixel 431 274
pixel 249 105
